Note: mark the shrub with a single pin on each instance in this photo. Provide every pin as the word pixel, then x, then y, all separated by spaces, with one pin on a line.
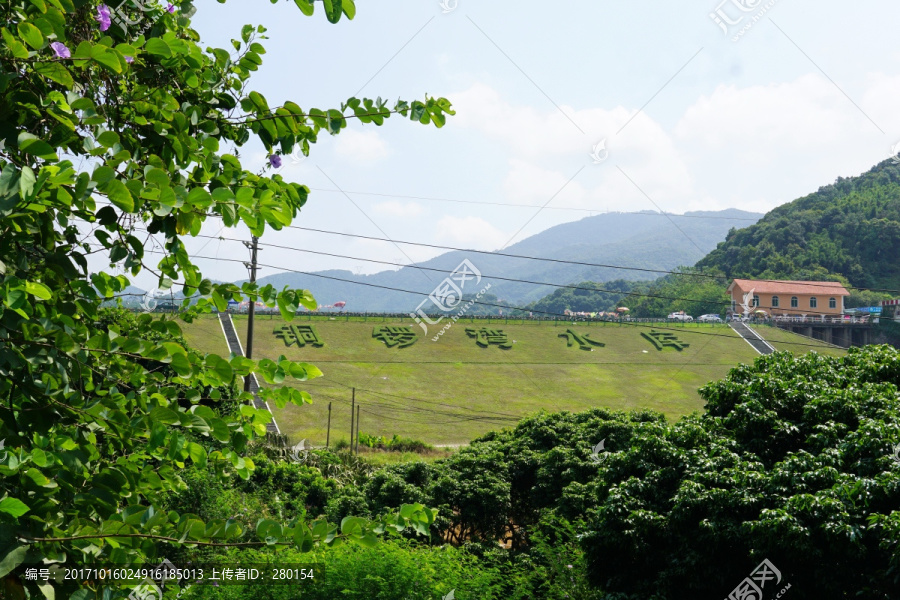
pixel 392 570
pixel 394 444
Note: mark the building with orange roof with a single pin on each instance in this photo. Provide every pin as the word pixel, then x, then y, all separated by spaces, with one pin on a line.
pixel 787 298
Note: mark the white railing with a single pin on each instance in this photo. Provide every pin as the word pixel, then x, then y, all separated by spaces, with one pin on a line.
pixel 825 320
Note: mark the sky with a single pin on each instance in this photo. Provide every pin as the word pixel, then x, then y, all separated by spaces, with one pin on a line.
pixel 572 109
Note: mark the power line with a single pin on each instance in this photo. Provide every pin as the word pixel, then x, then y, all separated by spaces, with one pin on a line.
pixel 629 294
pixel 556 260
pixel 509 279
pixel 533 310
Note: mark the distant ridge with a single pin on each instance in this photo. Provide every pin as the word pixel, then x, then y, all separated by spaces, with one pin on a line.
pixel 643 240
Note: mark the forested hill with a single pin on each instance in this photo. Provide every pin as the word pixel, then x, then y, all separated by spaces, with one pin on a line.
pixel 850 228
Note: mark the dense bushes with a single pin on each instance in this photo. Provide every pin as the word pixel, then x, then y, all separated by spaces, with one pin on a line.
pixel 390 571
pixel 792 463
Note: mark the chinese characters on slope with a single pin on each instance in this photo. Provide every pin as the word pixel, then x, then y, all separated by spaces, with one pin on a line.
pixel 300 335
pixel 664 339
pixel 447 296
pixel 485 336
pixel 584 341
pixel 402 336
pixel 395 336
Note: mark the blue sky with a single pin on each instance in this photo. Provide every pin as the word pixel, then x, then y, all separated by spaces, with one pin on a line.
pixel 807 94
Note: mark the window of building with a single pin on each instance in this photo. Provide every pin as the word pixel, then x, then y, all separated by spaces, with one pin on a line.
pixel 813 302
pixel 832 303
pixel 794 302
pixel 774 301
pixel 755 300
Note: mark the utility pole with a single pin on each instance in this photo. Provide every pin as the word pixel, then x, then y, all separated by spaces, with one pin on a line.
pixel 328 431
pixel 254 246
pixel 352 416
pixel 357 429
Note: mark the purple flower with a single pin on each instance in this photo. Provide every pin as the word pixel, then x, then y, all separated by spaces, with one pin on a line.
pixel 60 49
pixel 275 161
pixel 129 59
pixel 103 17
pixel 170 8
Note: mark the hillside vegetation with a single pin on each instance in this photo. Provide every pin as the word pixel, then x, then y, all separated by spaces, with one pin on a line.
pixel 850 230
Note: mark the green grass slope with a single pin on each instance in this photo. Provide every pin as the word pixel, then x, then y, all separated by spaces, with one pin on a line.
pixel 451 390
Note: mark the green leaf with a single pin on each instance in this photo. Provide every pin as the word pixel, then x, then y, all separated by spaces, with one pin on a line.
pixel 39 457
pixel 305 6
pixel 108 138
pixel 107 58
pixel 14 507
pixel 15 556
pixel 9 180
pixel 17 48
pixel 26 183
pixel 352 525
pixel 47 589
pixel 220 430
pixel 259 102
pixel 39 478
pixel 127 50
pixel 164 415
pixel 197 453
pixel 222 369
pixel 119 195
pixel 31 35
pixel 55 71
pixel 158 47
pixel 349 9
pixel 38 290
pixel 333 10
pixel 32 145
pixel 246 32
pixel 65 342
pixel 157 176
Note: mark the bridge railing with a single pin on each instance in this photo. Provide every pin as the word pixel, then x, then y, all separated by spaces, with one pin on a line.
pixel 824 320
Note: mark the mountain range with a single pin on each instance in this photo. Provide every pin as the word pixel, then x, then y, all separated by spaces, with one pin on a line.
pixel 644 240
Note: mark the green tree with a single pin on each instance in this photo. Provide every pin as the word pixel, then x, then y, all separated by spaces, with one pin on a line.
pixel 591 297
pixel 692 290
pixel 125 128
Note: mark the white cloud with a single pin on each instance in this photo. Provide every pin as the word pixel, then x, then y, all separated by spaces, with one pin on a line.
pixel 473 232
pixel 546 150
pixel 760 146
pixel 751 147
pixel 365 147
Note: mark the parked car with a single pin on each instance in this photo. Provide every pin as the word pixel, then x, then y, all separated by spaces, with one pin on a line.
pixel 681 316
pixel 709 319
